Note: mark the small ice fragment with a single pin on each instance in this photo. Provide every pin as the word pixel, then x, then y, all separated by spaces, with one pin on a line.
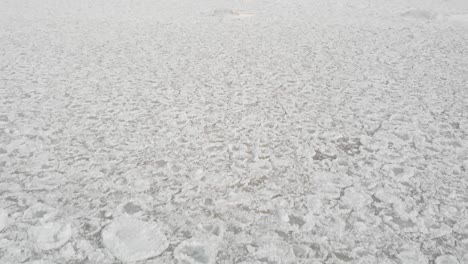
pixel 51 235
pixel 3 219
pixel 446 259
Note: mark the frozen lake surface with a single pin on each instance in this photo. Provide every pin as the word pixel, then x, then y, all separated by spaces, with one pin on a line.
pixel 245 131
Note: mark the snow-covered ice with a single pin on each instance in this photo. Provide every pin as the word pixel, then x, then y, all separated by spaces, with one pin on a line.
pixel 240 131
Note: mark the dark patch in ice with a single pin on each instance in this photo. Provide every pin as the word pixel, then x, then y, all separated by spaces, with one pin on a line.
pixel 160 163
pixel 282 234
pixel 234 229
pixel 455 125
pixel 213 229
pixel 321 156
pixel 403 137
pixel 11 199
pixel 299 251
pixel 343 257
pixel 398 170
pixel 420 14
pixel 295 220
pixel 216 231
pixel 403 223
pixel 176 168
pixel 208 201
pixel 351 146
pixel 40 214
pixel 132 208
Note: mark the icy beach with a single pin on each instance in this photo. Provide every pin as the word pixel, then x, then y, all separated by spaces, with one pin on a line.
pixel 244 131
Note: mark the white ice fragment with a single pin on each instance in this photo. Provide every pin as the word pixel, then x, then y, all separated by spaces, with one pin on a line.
pixel 314 204
pixel 461 227
pixel 419 141
pixel 355 199
pixel 283 216
pixel 261 166
pixel 279 161
pixel 329 192
pixel 39 212
pixel 50 181
pixel 311 221
pixel 446 259
pixel 141 185
pixel 331 179
pixel 331 135
pixel 67 251
pixel 386 197
pixel 276 252
pixel 51 235
pixel 337 227
pixel 198 174
pixel 400 173
pixel 412 256
pixel 214 229
pixel 39 261
pixel 130 239
pixel 203 248
pixel 197 251
pixel 15 254
pixel 3 219
pixel 439 230
pixel 465 258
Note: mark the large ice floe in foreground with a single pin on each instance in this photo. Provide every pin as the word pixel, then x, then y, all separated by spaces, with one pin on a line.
pixel 130 239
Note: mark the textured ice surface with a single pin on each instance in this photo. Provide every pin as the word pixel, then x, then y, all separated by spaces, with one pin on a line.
pixel 243 131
